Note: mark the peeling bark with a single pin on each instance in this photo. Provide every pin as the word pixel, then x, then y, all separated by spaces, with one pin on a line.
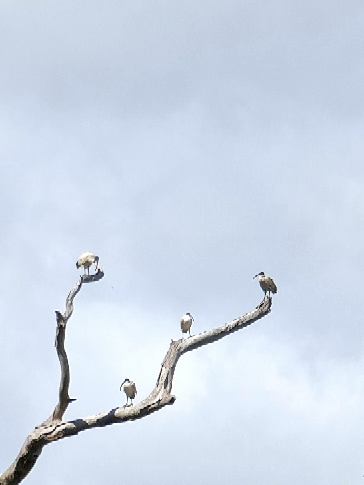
pixel 54 428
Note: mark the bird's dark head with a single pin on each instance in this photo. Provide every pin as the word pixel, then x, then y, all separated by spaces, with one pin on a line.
pixel 259 274
pixel 189 314
pixel 125 380
pixel 96 261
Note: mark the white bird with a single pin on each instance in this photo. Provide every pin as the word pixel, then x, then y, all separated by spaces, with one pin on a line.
pixel 86 260
pixel 129 389
pixel 266 283
pixel 186 323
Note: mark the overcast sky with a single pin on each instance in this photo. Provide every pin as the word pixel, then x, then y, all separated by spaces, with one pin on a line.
pixel 190 144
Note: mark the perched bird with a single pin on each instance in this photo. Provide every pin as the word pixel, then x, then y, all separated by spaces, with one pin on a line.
pixel 266 283
pixel 86 260
pixel 186 323
pixel 129 389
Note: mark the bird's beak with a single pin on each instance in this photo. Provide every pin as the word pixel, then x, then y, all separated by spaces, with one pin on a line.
pixel 255 276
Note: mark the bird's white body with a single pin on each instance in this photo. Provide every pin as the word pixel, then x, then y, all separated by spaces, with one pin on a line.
pixel 86 260
pixel 186 323
pixel 129 388
pixel 266 283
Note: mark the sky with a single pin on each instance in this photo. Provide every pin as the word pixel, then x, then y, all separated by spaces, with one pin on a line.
pixel 191 145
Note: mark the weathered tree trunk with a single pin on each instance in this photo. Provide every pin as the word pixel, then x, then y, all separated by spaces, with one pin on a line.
pixel 54 428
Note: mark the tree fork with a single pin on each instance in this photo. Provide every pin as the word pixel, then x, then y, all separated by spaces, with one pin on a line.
pixel 54 428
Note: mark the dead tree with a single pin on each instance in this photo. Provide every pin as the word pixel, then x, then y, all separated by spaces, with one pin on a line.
pixel 55 428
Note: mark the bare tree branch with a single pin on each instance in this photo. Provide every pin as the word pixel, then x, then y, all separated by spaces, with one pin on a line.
pixel 33 445
pixel 54 428
pixel 64 399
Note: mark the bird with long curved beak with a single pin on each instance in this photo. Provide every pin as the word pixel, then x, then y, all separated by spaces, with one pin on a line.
pixel 130 391
pixel 266 283
pixel 186 323
pixel 86 260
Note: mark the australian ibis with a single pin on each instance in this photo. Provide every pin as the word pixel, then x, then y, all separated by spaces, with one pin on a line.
pixel 266 283
pixel 86 260
pixel 130 390
pixel 186 323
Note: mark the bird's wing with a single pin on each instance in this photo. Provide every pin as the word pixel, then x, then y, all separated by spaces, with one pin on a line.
pixel 274 287
pixel 264 283
pixel 85 256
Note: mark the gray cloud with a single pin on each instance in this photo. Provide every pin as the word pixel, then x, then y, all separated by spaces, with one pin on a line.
pixel 190 145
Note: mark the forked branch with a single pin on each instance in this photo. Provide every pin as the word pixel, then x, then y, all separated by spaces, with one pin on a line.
pixel 54 428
